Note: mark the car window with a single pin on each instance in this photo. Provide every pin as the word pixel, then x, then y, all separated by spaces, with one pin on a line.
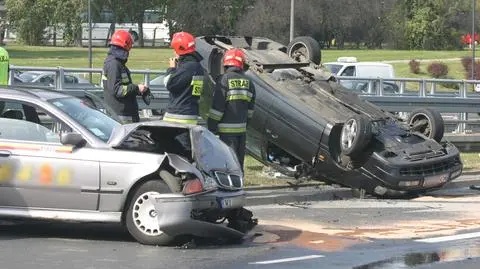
pixel 27 76
pixel 26 122
pixel 70 79
pixel 349 71
pixel 92 119
pixel 48 79
pixel 333 68
pixel 158 81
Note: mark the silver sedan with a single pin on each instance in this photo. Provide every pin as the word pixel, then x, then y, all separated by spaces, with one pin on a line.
pixel 63 159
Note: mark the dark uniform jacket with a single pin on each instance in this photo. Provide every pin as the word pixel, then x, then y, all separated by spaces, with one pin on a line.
pixel 119 91
pixel 233 103
pixel 185 85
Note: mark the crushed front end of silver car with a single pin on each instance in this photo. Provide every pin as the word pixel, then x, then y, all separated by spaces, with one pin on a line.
pixel 203 174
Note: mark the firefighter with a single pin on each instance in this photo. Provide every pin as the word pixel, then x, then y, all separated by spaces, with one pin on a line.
pixel 233 103
pixel 119 91
pixel 184 80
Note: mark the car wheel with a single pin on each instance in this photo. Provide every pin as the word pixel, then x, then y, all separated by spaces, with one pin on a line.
pixel 141 216
pixel 427 122
pixel 355 135
pixel 304 48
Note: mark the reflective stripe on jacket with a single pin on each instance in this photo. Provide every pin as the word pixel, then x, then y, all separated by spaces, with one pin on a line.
pixel 178 118
pixel 233 103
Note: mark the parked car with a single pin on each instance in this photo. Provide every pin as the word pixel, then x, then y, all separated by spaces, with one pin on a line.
pixel 351 67
pixel 306 124
pixel 62 158
pixel 47 78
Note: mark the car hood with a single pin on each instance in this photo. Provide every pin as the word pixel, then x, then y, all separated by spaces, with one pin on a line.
pixel 208 151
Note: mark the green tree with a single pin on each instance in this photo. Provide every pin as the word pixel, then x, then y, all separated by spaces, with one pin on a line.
pixel 206 17
pixel 428 24
pixel 27 18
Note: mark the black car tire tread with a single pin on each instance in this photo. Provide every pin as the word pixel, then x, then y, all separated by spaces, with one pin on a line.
pixel 434 118
pixel 162 239
pixel 362 139
pixel 312 46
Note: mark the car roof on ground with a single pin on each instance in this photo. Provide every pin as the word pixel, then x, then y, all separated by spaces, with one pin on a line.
pixel 36 93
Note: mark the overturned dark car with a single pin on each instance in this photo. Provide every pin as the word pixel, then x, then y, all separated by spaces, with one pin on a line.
pixel 307 125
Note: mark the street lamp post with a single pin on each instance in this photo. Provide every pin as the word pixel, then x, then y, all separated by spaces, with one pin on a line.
pixel 473 40
pixel 292 12
pixel 90 64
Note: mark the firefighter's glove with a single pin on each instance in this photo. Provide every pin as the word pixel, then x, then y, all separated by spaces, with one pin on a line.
pixel 147 96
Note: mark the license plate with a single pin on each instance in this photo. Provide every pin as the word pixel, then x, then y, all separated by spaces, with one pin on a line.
pixel 435 180
pixel 226 203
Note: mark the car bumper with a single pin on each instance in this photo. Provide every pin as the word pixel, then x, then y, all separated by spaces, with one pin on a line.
pixel 176 213
pixel 418 175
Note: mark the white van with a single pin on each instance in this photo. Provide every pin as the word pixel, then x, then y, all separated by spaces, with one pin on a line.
pixel 351 67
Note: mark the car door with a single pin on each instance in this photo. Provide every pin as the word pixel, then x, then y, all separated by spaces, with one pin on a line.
pixel 36 170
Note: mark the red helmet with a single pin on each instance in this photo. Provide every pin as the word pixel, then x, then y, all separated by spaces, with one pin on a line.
pixel 183 43
pixel 122 39
pixel 234 57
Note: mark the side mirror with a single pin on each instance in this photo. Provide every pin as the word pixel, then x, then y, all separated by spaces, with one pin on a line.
pixel 74 139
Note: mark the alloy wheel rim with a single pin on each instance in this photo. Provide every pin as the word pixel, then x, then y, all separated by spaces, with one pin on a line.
pixel 349 133
pixel 145 215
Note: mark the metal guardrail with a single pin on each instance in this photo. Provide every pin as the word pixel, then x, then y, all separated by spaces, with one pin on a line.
pixel 459 102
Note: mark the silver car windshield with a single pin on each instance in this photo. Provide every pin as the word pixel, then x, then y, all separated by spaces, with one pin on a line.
pixel 92 119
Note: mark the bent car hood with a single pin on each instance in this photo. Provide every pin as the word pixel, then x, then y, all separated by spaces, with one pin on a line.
pixel 209 152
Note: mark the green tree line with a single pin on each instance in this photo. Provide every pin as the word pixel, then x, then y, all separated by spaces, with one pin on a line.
pixel 396 24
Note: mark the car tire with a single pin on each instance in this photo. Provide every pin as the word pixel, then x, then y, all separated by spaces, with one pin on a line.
pixel 355 135
pixel 304 48
pixel 144 228
pixel 427 122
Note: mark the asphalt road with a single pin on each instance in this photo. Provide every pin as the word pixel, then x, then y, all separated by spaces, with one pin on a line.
pixel 333 233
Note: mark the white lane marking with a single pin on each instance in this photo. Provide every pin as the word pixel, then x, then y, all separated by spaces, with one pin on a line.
pixel 449 238
pixel 301 258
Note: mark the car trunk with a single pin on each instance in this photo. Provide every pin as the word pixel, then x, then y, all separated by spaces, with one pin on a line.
pixel 194 143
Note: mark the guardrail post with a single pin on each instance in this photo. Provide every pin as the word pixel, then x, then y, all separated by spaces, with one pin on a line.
pixel 146 78
pixel 402 86
pixel 423 85
pixel 463 89
pixel 380 87
pixel 433 88
pixel 370 86
pixel 59 78
pixel 463 116
pixel 11 75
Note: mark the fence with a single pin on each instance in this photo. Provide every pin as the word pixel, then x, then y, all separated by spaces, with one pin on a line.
pixel 455 106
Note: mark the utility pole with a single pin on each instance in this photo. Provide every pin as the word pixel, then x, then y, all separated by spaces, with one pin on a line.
pixel 292 12
pixel 90 64
pixel 473 40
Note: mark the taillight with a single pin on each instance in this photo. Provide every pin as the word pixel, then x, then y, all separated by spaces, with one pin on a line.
pixel 193 186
